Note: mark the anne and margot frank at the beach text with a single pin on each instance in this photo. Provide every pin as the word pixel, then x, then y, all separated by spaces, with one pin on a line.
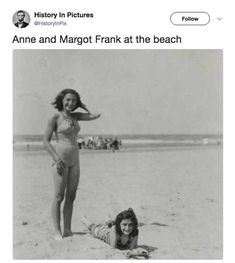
pixel 98 39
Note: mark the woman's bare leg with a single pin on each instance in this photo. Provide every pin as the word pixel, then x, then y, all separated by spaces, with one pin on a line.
pixel 59 189
pixel 72 184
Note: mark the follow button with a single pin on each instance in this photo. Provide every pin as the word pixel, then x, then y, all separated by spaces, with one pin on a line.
pixel 190 18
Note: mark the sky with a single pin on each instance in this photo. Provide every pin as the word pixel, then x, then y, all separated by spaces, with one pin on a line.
pixel 136 91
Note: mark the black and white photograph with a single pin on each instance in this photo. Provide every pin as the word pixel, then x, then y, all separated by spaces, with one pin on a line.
pixel 118 154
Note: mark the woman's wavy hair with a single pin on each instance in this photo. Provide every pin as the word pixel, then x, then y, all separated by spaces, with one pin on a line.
pixel 58 101
pixel 127 214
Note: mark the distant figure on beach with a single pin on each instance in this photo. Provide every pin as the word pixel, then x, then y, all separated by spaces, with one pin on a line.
pixel 65 155
pixel 80 143
pixel 114 145
pixel 120 234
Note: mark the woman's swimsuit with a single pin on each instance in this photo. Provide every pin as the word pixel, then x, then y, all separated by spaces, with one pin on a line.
pixel 125 246
pixel 67 147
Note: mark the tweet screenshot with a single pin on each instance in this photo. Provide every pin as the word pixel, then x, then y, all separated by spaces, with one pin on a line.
pixel 117 130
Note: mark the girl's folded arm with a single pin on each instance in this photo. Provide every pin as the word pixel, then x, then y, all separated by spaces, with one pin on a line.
pixel 134 242
pixel 133 247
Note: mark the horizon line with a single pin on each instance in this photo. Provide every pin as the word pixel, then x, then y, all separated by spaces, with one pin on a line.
pixel 82 134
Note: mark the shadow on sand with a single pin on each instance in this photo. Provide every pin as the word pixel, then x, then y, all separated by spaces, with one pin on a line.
pixel 148 248
pixel 80 233
pixel 152 223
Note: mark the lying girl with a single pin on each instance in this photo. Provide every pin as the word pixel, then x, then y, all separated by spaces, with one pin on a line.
pixel 120 234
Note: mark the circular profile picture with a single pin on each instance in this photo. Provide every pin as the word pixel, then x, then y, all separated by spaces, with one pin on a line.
pixel 21 19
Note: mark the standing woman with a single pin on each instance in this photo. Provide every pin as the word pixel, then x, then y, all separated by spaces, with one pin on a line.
pixel 65 154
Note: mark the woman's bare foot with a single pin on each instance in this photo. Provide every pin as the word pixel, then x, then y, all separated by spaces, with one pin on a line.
pixel 108 217
pixel 67 234
pixel 109 221
pixel 58 237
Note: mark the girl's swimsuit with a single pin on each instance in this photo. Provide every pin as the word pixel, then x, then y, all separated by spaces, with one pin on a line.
pixel 67 147
pixel 121 246
pixel 102 232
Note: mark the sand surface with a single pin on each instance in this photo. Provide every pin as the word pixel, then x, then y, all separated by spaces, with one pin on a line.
pixel 176 194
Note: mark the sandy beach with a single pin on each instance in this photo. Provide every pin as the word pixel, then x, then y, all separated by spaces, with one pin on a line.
pixel 176 194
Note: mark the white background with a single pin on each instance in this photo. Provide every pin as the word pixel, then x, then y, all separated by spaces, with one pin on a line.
pixel 123 18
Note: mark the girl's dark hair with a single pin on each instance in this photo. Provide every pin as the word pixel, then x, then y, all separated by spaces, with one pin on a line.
pixel 58 102
pixel 127 214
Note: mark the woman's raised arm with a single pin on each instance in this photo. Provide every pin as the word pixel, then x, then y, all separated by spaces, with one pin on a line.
pixel 85 116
